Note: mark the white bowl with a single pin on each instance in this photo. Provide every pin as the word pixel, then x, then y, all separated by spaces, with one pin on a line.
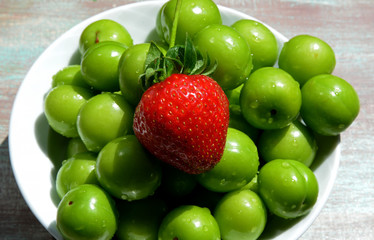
pixel 33 159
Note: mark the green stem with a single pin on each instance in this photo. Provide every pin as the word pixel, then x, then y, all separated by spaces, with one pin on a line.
pixel 175 24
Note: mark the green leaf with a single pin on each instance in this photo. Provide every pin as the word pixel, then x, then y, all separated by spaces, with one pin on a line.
pixel 176 54
pixel 168 67
pixel 190 56
pixel 200 64
pixel 186 59
pixel 209 71
pixel 153 53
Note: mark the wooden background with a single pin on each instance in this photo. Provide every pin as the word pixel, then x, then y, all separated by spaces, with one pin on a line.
pixel 28 27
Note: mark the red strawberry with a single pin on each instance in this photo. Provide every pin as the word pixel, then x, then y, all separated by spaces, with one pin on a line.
pixel 183 121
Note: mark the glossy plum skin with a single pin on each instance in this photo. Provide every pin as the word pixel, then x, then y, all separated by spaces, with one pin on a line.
pixel 77 170
pixel 330 104
pixel 61 107
pixel 189 222
pixel 270 99
pixel 229 50
pixel 288 188
pixel 87 212
pixel 103 118
pixel 126 170
pixel 241 215
pixel 305 56
pixel 99 66
pixel 261 41
pixel 194 16
pixel 131 66
pixel 101 31
pixel 295 141
pixel 70 75
pixel 238 165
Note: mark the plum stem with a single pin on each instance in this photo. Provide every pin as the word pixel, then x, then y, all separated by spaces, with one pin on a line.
pixel 175 24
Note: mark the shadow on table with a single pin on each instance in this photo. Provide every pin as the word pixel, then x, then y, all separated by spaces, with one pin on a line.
pixel 54 147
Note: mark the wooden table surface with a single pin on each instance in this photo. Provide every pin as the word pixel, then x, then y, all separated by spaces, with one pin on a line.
pixel 28 27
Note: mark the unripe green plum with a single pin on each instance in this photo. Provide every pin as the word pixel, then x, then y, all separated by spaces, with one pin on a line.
pixel 101 31
pixel 77 170
pixel 103 118
pixel 126 170
pixel 241 215
pixel 194 15
pixel 130 68
pixel 61 107
pixel 229 50
pixel 87 213
pixel 305 56
pixel 237 167
pixel 295 141
pixel 330 104
pixel 288 188
pixel 270 99
pixel 99 66
pixel 189 222
pixel 70 75
pixel 261 40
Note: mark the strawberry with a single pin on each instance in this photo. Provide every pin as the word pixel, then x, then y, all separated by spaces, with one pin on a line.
pixel 183 115
pixel 183 121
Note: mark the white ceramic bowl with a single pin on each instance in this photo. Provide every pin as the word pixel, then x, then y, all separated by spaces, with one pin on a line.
pixel 32 157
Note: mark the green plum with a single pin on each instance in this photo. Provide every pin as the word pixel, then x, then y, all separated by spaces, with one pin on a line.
pixel 270 99
pixel 229 50
pixel 75 145
pixel 70 75
pixel 194 15
pixel 140 220
pixel 241 215
pixel 189 222
pixel 330 104
pixel 126 170
pixel 77 170
pixel 295 141
pixel 261 40
pixel 101 31
pixel 288 188
pixel 61 107
pixel 237 167
pixel 99 66
pixel 130 68
pixel 305 56
pixel 87 213
pixel 103 118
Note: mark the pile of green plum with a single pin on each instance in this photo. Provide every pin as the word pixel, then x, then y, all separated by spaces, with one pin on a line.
pixel 110 186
